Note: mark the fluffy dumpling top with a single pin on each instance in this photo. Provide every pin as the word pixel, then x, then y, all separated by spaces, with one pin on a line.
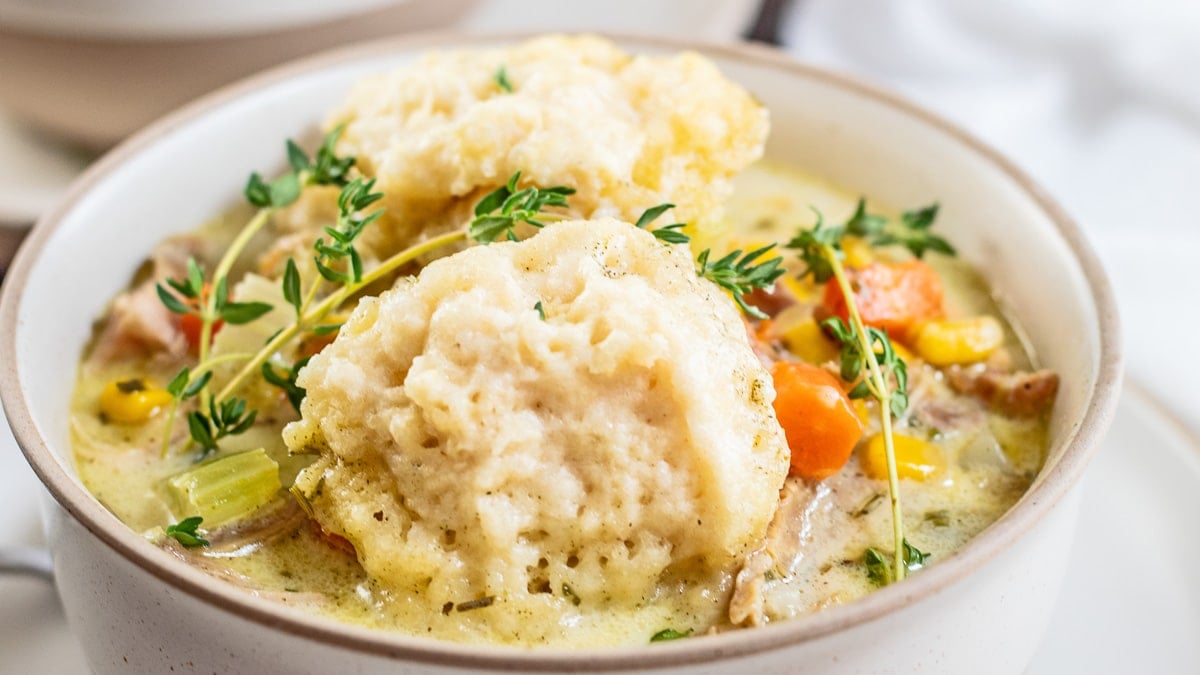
pixel 559 428
pixel 626 132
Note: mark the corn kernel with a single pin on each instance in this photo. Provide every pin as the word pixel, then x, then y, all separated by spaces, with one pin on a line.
pixel 860 409
pixel 132 401
pixel 949 342
pixel 806 340
pixel 915 459
pixel 858 252
pixel 803 291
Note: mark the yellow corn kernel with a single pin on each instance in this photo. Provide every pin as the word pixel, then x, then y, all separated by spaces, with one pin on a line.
pixel 860 409
pixel 915 458
pixel 949 342
pixel 806 340
pixel 858 252
pixel 803 291
pixel 132 401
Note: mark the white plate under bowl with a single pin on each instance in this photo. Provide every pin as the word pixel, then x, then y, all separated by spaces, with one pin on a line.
pixel 1131 602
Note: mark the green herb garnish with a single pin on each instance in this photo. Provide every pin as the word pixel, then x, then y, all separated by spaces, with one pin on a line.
pixel 353 199
pixel 506 207
pixel 501 79
pixel 671 234
pixel 741 274
pixel 285 379
pixel 185 533
pixel 853 358
pixel 913 233
pixel 939 518
pixel 540 310
pixel 879 570
pixel 227 418
pixel 669 634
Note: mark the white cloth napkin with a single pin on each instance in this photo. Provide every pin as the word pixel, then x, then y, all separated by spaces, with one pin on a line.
pixel 1098 99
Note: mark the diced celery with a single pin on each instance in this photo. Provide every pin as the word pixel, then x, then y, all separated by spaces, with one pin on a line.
pixel 227 488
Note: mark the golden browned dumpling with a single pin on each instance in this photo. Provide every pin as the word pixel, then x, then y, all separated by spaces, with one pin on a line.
pixel 627 132
pixel 564 425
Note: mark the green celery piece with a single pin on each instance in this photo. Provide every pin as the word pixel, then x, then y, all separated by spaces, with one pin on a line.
pixel 228 488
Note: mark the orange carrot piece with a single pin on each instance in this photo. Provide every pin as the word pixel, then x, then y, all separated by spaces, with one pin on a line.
pixel 896 297
pixel 821 424
pixel 191 325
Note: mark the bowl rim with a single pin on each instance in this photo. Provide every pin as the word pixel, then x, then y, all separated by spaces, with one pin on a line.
pixel 76 22
pixel 1083 437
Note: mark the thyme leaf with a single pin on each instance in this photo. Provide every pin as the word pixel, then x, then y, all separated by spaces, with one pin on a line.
pixel 227 418
pixel 185 532
pixel 880 571
pixel 669 634
pixel 285 379
pixel 291 286
pixel 670 234
pixel 501 79
pixel 183 387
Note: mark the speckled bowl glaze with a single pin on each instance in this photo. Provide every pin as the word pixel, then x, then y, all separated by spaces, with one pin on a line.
pixel 137 609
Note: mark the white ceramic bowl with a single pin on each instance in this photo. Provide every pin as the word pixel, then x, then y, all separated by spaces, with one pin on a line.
pixel 95 71
pixel 137 609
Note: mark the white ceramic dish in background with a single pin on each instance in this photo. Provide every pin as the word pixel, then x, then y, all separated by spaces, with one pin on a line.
pixel 35 172
pixel 141 19
pixel 980 609
pixel 95 72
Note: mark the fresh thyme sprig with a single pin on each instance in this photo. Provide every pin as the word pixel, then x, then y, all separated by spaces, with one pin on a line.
pixel 227 418
pixel 737 275
pixel 194 288
pixel 221 416
pixel 741 274
pixel 506 207
pixel 818 248
pixel 852 358
pixel 325 168
pixel 352 200
pixel 911 232
pixel 864 348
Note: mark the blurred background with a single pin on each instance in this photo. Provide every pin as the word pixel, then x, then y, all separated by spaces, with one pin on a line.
pixel 1097 99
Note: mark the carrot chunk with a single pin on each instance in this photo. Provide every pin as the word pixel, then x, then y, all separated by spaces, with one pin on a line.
pixel 821 424
pixel 893 296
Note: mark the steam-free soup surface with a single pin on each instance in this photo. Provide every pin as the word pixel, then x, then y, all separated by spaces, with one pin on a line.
pixel 986 458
